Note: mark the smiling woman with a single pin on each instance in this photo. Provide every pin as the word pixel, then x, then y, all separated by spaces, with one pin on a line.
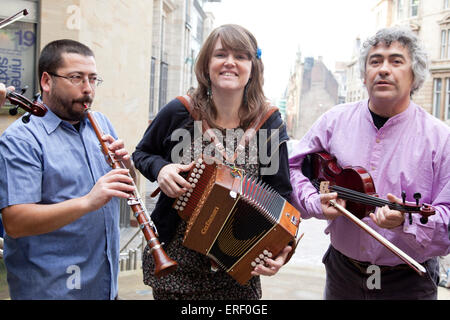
pixel 230 49
pixel 229 70
pixel 229 97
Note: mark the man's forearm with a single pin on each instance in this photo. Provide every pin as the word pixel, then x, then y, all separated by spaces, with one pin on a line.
pixel 33 219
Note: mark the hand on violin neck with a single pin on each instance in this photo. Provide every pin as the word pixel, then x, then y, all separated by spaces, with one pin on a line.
pixel 3 91
pixel 329 211
pixel 385 217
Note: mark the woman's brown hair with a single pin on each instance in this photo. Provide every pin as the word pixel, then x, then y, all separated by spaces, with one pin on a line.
pixel 235 38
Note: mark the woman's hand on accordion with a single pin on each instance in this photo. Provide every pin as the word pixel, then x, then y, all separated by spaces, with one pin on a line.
pixel 171 182
pixel 271 266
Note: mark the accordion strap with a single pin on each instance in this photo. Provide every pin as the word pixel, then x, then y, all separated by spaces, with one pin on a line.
pixel 248 135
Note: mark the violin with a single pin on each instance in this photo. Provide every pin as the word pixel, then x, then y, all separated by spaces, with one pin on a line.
pixel 34 107
pixel 19 15
pixel 355 185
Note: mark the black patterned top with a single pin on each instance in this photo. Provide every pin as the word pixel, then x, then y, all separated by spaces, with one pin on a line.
pixel 194 278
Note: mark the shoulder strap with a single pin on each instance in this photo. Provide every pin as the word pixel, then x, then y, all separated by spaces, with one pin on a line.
pixel 187 102
pixel 263 119
pixel 248 135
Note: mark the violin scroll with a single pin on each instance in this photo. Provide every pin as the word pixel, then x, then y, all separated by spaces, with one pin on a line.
pixel 35 107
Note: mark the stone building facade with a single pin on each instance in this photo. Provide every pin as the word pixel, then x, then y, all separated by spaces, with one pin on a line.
pixel 430 20
pixel 145 51
pixel 355 88
pixel 179 29
pixel 312 90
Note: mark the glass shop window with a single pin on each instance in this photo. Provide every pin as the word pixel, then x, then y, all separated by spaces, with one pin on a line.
pixel 18 58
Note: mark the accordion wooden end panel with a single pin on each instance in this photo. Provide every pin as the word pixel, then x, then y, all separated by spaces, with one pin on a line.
pixel 236 220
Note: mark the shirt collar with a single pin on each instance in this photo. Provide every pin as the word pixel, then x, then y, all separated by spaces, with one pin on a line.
pixel 404 115
pixel 51 121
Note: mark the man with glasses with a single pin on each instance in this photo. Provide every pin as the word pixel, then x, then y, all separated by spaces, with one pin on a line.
pixel 58 195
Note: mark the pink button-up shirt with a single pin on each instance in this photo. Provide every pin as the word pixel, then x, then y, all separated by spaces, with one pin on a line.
pixel 411 152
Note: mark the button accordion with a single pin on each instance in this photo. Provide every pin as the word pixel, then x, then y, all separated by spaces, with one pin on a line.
pixel 236 220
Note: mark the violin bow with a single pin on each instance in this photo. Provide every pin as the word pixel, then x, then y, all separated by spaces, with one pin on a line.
pixel 402 255
pixel 19 15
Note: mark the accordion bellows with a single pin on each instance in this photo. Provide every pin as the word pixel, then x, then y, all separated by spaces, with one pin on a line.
pixel 236 220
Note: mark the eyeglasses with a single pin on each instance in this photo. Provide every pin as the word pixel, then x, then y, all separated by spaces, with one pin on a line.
pixel 94 81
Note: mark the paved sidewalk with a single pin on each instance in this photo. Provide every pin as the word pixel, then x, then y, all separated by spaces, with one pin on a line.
pixel 303 278
pixel 293 282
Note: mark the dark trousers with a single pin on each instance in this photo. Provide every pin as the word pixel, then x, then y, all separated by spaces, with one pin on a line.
pixel 351 280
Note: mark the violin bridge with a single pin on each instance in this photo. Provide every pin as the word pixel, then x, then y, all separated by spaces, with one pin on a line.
pixel 324 187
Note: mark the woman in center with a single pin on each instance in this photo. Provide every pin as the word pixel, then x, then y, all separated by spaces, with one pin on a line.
pixel 229 98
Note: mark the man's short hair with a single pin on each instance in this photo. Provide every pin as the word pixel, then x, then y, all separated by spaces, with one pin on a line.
pixel 51 56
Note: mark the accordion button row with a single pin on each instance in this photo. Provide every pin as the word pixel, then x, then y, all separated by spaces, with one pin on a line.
pixel 261 258
pixel 193 180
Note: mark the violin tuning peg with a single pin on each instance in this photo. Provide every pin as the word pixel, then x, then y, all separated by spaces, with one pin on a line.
pixel 26 118
pixel 13 111
pixel 424 220
pixel 403 196
pixel 417 196
pixel 23 90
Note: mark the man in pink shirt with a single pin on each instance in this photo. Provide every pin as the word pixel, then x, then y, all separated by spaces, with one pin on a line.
pixel 403 148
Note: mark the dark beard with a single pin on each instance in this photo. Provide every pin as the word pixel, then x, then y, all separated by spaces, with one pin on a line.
pixel 65 109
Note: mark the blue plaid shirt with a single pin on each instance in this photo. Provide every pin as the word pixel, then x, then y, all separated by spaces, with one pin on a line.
pixel 48 161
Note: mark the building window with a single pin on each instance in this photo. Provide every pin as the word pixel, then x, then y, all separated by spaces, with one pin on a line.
pixel 200 29
pixel 446 4
pixel 152 86
pixel 192 71
pixel 445 41
pixel 163 82
pixel 447 99
pixel 448 42
pixel 188 12
pixel 399 9
pixel 18 50
pixel 437 87
pixel 443 44
pixel 414 8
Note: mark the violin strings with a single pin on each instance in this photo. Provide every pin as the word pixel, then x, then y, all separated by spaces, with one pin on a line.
pixel 352 194
pixel 366 199
pixel 356 196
